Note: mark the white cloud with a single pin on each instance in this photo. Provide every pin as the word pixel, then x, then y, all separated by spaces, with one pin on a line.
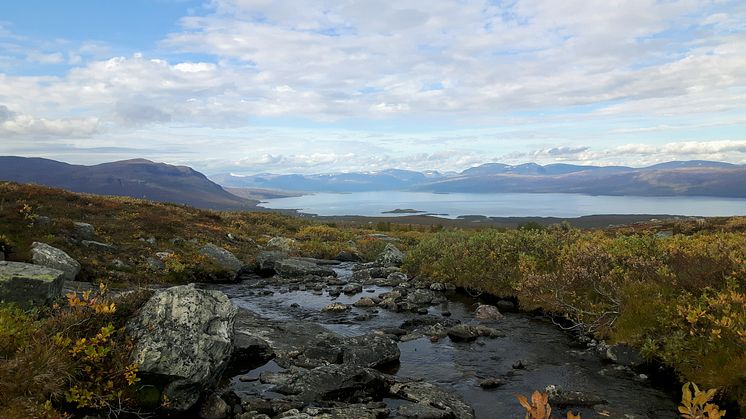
pixel 13 124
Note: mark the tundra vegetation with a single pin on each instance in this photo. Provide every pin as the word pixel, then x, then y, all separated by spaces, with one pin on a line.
pixel 674 289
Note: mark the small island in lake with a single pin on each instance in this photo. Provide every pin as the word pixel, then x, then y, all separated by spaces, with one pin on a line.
pixel 403 211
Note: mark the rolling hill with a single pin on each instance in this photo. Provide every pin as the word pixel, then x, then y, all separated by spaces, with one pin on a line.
pixel 137 178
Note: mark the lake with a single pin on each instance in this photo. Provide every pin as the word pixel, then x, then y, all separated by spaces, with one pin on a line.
pixel 505 204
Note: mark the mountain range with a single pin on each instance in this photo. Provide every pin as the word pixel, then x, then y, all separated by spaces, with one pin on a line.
pixel 689 178
pixel 137 178
pixel 141 178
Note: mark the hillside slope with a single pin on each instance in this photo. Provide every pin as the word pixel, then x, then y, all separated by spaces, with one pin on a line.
pixel 134 178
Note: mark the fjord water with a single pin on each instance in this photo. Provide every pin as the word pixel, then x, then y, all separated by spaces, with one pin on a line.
pixel 453 205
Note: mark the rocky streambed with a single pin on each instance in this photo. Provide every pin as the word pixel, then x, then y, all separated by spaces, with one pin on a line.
pixel 352 340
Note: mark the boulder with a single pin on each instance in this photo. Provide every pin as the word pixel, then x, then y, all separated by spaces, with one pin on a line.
pixel 365 302
pixel 467 333
pixel 371 351
pixel 391 256
pixel 433 396
pixel 336 382
pixel 84 231
pixel 183 341
pixel 45 255
pixel 297 268
pixel 421 296
pixel 281 243
pixel 265 261
pixel 222 257
pixel 422 411
pixel 352 288
pixel 27 285
pixel 487 313
pixel 294 343
pixel 155 265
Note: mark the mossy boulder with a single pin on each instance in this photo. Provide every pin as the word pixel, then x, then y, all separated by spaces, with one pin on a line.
pixel 28 285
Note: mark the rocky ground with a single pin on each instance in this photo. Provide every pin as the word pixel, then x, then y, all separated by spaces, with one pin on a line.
pixel 203 353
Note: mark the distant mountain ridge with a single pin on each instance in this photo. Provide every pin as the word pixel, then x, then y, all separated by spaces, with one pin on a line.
pixel 688 178
pixel 138 178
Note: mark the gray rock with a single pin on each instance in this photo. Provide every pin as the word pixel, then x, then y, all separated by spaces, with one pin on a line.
pixel 371 351
pixel 562 398
pixel 266 261
pixel 296 268
pixel 214 407
pixel 421 296
pixel 335 308
pixel 281 243
pixel 45 255
pixel 438 286
pixel 625 355
pixel 431 395
pixel 294 343
pixel 120 265
pixel 422 411
pixel 397 277
pixel 354 411
pixel 487 313
pixel 391 256
pixel 101 247
pixel 84 231
pixel 337 382
pixel 183 338
pixel 463 333
pixel 27 285
pixel 491 382
pixel 43 221
pixel 352 288
pixel 365 302
pixel 154 264
pixel 221 257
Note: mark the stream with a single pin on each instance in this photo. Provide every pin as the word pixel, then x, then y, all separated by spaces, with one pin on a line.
pixel 549 355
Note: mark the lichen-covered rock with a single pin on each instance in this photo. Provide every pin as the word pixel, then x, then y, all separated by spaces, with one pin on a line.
pixel 487 312
pixel 371 351
pixel 352 288
pixel 336 308
pixel 265 261
pixel 391 256
pixel 183 338
pixel 433 396
pixel 222 257
pixel 365 302
pixel 281 243
pixel 421 411
pixel 27 285
pixel 336 382
pixel 45 255
pixel 296 268
pixel 84 231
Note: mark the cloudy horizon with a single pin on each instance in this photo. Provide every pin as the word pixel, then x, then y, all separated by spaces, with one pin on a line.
pixel 255 86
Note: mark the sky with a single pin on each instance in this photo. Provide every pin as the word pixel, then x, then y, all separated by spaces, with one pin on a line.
pixel 319 86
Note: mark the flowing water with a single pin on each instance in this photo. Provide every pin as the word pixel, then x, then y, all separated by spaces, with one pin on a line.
pixel 551 355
